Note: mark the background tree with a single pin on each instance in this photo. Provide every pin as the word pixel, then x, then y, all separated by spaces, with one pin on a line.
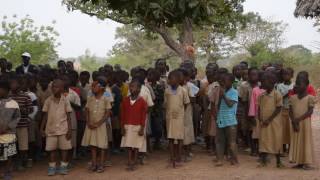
pixel 20 35
pixel 260 30
pixel 90 62
pixel 136 47
pixel 160 15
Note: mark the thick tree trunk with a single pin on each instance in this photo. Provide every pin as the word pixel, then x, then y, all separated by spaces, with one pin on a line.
pixel 185 40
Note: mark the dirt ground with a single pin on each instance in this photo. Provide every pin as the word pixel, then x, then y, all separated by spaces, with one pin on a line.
pixel 201 167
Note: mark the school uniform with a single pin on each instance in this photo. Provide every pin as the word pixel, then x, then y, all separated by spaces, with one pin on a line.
pixel 245 91
pixel 301 144
pixel 213 96
pixel 286 124
pixel 133 116
pixel 57 123
pixel 188 117
pixel 270 136
pixel 97 109
pixel 175 101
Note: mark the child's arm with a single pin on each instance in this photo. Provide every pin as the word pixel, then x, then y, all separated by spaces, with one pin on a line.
pixel 104 118
pixel 43 123
pixel 305 115
pixel 143 119
pixel 271 118
pixel 228 101
pixel 68 135
pixel 74 106
pixel 293 120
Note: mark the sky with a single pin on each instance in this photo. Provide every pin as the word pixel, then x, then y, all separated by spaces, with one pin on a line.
pixel 79 32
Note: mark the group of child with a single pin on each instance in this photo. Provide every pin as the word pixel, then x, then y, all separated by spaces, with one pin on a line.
pixel 58 109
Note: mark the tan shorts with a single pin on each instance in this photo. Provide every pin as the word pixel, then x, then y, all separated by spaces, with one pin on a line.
pixel 23 138
pixel 58 142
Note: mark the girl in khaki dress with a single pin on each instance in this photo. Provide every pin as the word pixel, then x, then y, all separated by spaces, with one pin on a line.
pixel 270 104
pixel 301 109
pixel 175 101
pixel 95 135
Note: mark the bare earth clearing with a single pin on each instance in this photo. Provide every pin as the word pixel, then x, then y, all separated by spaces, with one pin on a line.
pixel 202 167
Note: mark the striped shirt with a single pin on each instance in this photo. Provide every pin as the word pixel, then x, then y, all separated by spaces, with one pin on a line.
pixel 25 106
pixel 227 115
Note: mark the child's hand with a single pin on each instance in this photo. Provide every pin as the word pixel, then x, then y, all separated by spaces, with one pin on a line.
pixel 221 92
pixel 68 135
pixel 141 131
pixel 265 124
pixel 91 125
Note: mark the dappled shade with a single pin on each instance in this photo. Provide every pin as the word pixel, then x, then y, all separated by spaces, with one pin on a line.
pixel 307 8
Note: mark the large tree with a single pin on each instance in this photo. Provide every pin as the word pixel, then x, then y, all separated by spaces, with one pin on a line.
pixel 160 15
pixel 20 35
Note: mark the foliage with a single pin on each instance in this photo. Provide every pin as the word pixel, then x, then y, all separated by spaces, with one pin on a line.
pixel 137 47
pixel 20 35
pixel 296 55
pixel 260 30
pixel 90 62
pixel 160 15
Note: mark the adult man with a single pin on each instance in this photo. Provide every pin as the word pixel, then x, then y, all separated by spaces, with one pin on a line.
pixel 26 67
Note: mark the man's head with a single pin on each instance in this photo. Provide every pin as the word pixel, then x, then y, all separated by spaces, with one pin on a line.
pixel 26 57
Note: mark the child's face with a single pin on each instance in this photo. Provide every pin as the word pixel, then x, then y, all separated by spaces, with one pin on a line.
pixel 301 87
pixel 254 76
pixel 134 89
pixel 227 82
pixel 14 85
pixel 151 77
pixel 83 80
pixel 96 88
pixel 267 84
pixel 286 76
pixel 221 80
pixel 174 81
pixel 237 72
pixel 3 93
pixel 57 88
pixel 44 82
pixel 24 85
pixel 244 74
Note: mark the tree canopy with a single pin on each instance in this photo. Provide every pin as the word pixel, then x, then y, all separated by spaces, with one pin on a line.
pixel 160 15
pixel 20 35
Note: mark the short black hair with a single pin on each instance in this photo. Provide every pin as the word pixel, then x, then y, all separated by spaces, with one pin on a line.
pixel 253 69
pixel 85 73
pixel 101 81
pixel 136 80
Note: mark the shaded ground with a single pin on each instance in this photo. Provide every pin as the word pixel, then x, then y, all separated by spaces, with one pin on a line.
pixel 201 167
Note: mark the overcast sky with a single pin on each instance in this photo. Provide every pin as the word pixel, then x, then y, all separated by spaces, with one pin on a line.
pixel 79 32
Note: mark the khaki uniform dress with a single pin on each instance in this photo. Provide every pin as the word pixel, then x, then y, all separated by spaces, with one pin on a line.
pixel 188 121
pixel 97 109
pixel 175 102
pixel 270 136
pixel 213 95
pixel 301 146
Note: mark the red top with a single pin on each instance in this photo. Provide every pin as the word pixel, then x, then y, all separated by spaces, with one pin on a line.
pixel 134 114
pixel 310 90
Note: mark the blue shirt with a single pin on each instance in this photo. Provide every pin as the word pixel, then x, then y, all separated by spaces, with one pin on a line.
pixel 227 115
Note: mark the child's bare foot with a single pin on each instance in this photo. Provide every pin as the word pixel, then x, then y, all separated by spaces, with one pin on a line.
pixel 234 162
pixel 307 167
pixel 299 166
pixel 262 164
pixel 280 165
pixel 219 163
pixel 178 164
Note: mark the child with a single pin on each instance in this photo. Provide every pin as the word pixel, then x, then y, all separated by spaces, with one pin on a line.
pixel 175 101
pixel 189 137
pixel 210 106
pixel 10 115
pixel 301 109
pixel 245 91
pixel 116 127
pixel 25 87
pixel 226 120
pixel 133 117
pixel 56 127
pixel 95 135
pixel 25 106
pixel 270 104
pixel 284 88
pixel 253 117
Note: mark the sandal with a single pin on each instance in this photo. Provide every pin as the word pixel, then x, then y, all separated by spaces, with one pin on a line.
pixel 307 167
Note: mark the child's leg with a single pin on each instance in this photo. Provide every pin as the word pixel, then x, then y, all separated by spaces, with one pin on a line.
pixel 172 150
pixel 8 167
pixel 220 145
pixel 93 156
pixel 179 150
pixel 213 144
pixel 232 144
pixel 279 163
pixel 102 157
pixel 52 158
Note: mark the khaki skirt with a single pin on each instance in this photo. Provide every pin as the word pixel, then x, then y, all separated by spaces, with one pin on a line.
pixel 131 139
